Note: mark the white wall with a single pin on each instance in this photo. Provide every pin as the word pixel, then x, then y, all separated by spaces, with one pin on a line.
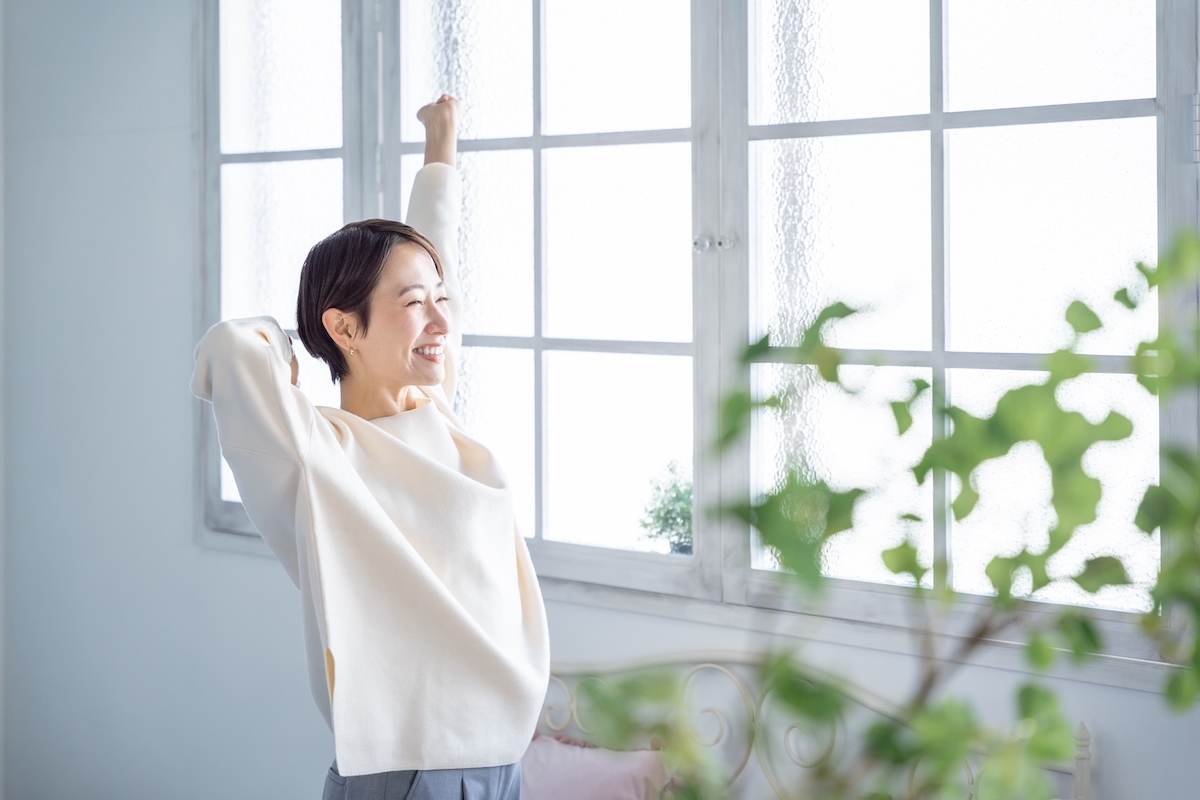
pixel 138 665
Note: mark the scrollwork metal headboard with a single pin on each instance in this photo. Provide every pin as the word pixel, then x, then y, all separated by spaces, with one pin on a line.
pixel 747 703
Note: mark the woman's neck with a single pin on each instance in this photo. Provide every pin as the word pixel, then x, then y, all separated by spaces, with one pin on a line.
pixel 376 400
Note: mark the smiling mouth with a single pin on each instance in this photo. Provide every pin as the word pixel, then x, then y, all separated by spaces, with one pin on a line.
pixel 432 352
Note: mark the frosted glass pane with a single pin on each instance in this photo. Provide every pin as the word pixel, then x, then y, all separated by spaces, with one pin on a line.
pixel 281 75
pixel 229 489
pixel 619 242
pixel 315 380
pixel 1040 215
pixel 837 59
pixel 848 440
pixel 1014 509
pixel 495 403
pixel 615 423
pixel 480 51
pixel 495 242
pixel 620 65
pixel 1032 52
pixel 271 215
pixel 843 218
pixel 410 165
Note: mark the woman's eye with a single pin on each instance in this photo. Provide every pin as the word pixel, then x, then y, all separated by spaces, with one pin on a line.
pixel 416 303
pixel 443 299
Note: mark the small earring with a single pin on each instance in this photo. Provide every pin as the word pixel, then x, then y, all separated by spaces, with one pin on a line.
pixel 351 351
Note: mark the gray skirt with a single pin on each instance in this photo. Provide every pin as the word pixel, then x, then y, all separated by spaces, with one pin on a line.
pixel 480 783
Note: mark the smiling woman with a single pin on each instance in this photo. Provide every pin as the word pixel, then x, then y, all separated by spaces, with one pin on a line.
pixel 425 631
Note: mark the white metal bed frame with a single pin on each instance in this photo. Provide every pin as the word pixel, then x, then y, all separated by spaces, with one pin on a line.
pixel 747 776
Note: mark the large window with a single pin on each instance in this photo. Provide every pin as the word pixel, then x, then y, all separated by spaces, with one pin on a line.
pixel 649 186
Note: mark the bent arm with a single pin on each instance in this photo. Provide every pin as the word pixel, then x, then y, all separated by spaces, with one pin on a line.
pixel 264 423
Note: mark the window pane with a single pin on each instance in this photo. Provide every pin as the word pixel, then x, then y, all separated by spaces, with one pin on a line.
pixel 281 75
pixel 1014 509
pixel 848 440
pixel 271 215
pixel 616 423
pixel 495 404
pixel 620 65
pixel 843 218
pixel 1032 53
pixel 838 59
pixel 480 51
pixel 1040 215
pixel 229 489
pixel 618 242
pixel 315 380
pixel 495 242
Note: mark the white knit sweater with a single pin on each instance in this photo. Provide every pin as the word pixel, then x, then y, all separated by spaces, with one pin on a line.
pixel 424 625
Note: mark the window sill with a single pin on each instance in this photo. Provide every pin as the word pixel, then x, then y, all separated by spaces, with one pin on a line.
pixel 1119 671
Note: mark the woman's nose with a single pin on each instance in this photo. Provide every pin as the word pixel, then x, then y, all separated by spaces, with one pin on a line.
pixel 439 321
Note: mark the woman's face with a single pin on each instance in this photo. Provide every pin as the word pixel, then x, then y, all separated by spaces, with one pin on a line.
pixel 409 322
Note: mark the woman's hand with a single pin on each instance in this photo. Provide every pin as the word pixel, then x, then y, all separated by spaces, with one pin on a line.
pixel 440 119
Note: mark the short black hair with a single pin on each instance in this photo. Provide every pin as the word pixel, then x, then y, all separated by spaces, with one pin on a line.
pixel 341 271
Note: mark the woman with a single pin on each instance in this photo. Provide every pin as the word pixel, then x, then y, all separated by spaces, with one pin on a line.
pixel 424 625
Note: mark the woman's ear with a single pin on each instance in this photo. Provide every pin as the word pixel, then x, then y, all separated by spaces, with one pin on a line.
pixel 341 326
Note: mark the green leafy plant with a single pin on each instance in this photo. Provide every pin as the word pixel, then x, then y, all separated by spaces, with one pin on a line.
pixel 669 513
pixel 918 751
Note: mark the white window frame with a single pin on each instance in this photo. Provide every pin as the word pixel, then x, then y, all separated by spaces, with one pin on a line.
pixel 716 584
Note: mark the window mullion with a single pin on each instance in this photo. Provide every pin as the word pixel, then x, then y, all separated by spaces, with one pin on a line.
pixel 1179 206
pixel 538 21
pixel 734 281
pixel 358 108
pixel 389 110
pixel 937 160
pixel 707 271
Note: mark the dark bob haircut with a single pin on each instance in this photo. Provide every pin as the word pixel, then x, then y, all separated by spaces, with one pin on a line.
pixel 341 271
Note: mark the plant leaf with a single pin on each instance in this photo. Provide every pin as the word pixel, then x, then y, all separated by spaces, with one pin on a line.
pixel 1082 318
pixel 1122 296
pixel 902 560
pixel 1052 738
pixel 1100 572
pixel 807 695
pixel 903 416
pixel 1040 651
pixel 1079 634
pixel 1183 687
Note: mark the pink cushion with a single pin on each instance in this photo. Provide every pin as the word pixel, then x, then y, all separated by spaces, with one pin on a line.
pixel 551 770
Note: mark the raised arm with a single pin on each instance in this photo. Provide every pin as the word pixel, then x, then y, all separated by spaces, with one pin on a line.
pixel 264 423
pixel 435 209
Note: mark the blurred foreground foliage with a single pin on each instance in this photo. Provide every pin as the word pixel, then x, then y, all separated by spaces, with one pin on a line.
pixel 919 751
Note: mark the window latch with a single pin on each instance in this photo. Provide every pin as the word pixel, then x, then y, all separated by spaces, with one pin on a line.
pixel 705 244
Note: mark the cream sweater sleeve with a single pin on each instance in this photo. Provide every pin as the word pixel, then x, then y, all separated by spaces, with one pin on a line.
pixel 434 209
pixel 265 425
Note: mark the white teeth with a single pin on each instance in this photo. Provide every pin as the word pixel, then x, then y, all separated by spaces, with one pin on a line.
pixel 428 351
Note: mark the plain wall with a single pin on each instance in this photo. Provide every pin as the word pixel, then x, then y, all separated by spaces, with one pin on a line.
pixel 138 664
